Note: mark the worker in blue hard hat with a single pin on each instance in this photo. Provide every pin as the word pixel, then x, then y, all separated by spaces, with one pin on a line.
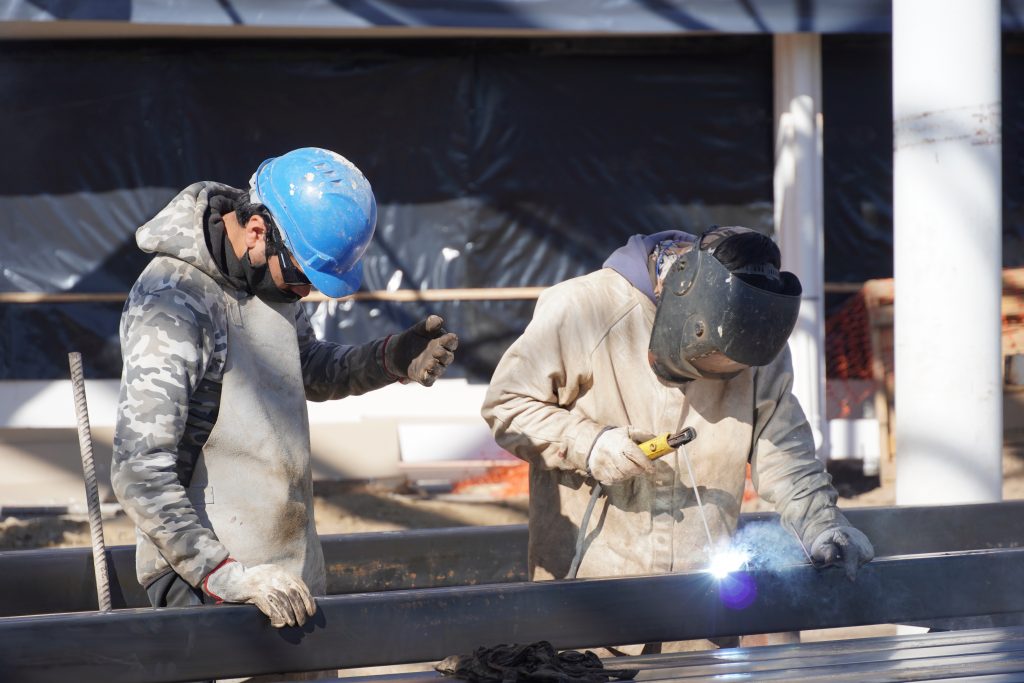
pixel 212 446
pixel 326 213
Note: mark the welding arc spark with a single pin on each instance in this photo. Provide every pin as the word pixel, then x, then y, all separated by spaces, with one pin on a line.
pixel 727 562
pixel 736 587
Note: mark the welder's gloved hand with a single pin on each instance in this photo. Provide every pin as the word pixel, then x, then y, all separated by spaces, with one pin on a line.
pixel 615 456
pixel 282 597
pixel 423 352
pixel 842 545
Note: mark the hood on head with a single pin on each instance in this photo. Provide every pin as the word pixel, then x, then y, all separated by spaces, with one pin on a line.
pixel 178 230
pixel 630 260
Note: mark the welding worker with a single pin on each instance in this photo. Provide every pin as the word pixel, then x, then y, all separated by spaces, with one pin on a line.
pixel 674 331
pixel 212 447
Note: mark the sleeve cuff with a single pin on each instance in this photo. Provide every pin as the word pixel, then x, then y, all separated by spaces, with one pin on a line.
pixel 827 519
pixel 206 579
pixel 579 446
pixel 384 362
pixel 197 577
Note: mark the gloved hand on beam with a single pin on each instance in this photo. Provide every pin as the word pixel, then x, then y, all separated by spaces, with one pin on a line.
pixel 842 545
pixel 282 597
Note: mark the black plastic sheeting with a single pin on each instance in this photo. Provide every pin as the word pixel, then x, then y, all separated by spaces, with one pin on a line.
pixel 858 141
pixel 623 16
pixel 495 163
pixel 1013 150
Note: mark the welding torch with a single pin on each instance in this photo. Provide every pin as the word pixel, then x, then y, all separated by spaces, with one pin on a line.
pixel 667 442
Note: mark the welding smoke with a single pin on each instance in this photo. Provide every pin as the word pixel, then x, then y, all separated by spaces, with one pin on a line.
pixel 768 546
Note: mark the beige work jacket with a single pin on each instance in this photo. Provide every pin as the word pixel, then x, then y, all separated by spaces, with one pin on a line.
pixel 582 365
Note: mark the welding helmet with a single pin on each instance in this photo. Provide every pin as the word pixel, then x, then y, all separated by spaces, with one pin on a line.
pixel 711 323
pixel 326 213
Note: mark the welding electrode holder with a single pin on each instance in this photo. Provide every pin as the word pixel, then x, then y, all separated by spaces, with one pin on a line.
pixel 667 442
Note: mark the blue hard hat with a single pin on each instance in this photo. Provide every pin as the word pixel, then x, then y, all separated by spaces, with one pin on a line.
pixel 326 210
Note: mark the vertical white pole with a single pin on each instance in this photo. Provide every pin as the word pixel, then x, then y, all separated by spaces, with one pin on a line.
pixel 948 214
pixel 799 212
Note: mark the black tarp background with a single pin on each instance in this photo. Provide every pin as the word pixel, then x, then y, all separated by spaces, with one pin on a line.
pixel 1013 150
pixel 597 16
pixel 857 108
pixel 857 141
pixel 624 16
pixel 495 163
pixel 500 162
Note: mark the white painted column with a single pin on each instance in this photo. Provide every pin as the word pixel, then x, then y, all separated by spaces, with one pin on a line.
pixel 799 212
pixel 948 214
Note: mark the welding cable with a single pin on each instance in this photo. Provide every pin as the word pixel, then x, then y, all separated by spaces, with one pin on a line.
pixel 581 536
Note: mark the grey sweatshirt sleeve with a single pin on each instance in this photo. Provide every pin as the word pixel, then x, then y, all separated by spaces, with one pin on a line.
pixel 538 377
pixel 331 371
pixel 167 339
pixel 784 468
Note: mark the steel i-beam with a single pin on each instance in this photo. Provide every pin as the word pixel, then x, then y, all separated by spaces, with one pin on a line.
pixel 61 580
pixel 426 625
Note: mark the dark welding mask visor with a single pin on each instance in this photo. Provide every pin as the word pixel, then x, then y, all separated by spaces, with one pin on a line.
pixel 712 324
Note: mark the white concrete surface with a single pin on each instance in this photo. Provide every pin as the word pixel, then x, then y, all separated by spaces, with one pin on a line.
pixel 356 438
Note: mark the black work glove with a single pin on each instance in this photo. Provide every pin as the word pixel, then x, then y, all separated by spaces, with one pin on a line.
pixel 422 352
pixel 842 545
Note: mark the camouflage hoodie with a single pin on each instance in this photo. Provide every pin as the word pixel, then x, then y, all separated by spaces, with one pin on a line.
pixel 190 336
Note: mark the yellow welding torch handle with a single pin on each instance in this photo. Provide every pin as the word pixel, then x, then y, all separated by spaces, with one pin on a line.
pixel 657 447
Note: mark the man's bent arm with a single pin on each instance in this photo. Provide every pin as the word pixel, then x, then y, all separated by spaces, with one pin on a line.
pixel 165 351
pixel 784 468
pixel 538 376
pixel 332 371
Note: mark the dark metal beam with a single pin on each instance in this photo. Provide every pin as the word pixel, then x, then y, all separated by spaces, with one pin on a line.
pixel 983 655
pixel 940 528
pixel 425 558
pixel 64 580
pixel 61 580
pixel 427 625
pixel 900 658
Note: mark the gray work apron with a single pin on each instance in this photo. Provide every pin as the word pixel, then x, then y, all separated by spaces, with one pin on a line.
pixel 252 484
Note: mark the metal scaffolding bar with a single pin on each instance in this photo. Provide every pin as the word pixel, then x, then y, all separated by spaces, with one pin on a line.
pixel 61 580
pixel 426 625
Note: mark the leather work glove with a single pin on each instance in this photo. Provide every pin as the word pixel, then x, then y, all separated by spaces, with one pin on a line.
pixel 842 545
pixel 615 456
pixel 421 353
pixel 282 597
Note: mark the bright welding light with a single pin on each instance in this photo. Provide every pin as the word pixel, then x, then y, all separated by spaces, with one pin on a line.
pixel 726 562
